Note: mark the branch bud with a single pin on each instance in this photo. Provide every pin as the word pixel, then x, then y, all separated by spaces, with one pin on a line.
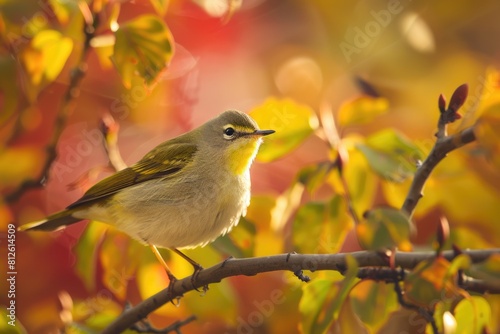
pixel 442 103
pixel 458 98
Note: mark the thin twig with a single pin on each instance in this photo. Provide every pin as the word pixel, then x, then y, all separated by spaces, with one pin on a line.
pixel 109 129
pixel 428 315
pixel 146 327
pixel 66 107
pixel 256 265
pixel 444 144
pixel 442 147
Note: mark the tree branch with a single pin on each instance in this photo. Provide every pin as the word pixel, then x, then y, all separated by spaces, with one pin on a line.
pixel 66 107
pixel 442 147
pixel 109 130
pixel 291 262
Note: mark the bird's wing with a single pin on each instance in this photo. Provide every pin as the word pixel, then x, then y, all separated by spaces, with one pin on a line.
pixel 164 160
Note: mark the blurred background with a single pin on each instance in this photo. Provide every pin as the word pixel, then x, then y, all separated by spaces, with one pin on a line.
pixel 316 53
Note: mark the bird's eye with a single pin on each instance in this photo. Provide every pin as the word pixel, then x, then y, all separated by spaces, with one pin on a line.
pixel 229 132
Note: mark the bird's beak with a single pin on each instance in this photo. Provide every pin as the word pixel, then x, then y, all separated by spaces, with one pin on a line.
pixel 263 132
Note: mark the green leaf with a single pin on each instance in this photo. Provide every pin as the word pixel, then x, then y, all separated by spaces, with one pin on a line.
pixel 86 251
pixel 373 302
pixel 94 313
pixel 488 270
pixel 362 110
pixel 473 315
pixel 314 177
pixel 391 155
pixel 322 300
pixel 292 122
pixel 307 227
pixel 321 227
pixel 143 47
pixel 433 281
pixel 160 6
pixel 384 228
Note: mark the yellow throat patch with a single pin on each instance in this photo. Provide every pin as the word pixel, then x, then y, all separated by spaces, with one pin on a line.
pixel 241 155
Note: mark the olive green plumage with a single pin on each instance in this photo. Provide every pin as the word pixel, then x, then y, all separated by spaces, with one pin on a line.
pixel 185 192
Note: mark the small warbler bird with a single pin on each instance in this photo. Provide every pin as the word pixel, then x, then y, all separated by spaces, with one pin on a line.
pixel 184 193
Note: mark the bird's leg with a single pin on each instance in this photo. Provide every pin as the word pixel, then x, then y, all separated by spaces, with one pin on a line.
pixel 171 276
pixel 197 268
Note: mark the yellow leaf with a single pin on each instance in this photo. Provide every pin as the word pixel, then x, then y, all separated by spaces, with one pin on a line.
pixel 361 181
pixel 103 46
pixel 218 303
pixel 64 9
pixel 259 211
pixel 17 164
pixel 267 240
pixel 143 47
pixel 362 110
pixel 465 197
pixel 487 131
pixel 381 298
pixel 151 279
pixel 321 227
pixel 433 281
pixel 473 315
pixel 489 94
pixel 119 257
pixel 46 55
pixel 322 299
pixel 292 122
pixel 86 251
pixel 465 238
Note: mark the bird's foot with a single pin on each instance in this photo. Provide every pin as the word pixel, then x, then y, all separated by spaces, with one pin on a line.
pixel 194 278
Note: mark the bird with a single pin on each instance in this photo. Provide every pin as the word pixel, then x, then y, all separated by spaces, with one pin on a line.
pixel 184 193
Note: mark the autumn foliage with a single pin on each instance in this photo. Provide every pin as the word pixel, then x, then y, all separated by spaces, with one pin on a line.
pixel 370 161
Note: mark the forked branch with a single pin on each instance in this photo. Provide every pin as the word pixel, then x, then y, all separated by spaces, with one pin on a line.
pixel 444 144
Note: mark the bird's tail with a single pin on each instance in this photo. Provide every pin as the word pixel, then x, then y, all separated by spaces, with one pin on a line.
pixel 52 222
